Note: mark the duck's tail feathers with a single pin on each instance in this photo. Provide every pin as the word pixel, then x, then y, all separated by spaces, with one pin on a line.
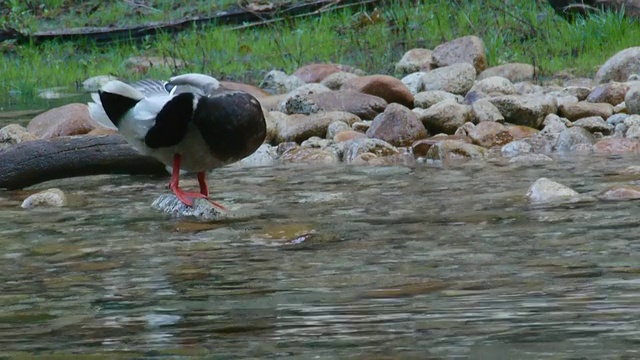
pixel 97 113
pixel 112 102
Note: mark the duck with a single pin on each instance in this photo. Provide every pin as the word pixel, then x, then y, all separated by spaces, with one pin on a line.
pixel 190 123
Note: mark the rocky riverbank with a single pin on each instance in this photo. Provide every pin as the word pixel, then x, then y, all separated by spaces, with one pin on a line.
pixel 443 105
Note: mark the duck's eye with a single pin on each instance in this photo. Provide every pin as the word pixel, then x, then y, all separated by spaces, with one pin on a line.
pixel 169 87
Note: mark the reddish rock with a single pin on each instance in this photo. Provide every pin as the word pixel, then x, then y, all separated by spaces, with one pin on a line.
pixel 71 119
pixel 251 89
pixel 102 131
pixel 488 134
pixel 314 73
pixel 612 93
pixel 617 146
pixel 272 102
pixel 398 126
pixel 347 135
pixel 520 132
pixel 384 86
pixel 365 106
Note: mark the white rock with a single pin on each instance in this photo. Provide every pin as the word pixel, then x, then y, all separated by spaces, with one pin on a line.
pixel 265 155
pixel 515 148
pixel 278 82
pixel 414 82
pixel 548 191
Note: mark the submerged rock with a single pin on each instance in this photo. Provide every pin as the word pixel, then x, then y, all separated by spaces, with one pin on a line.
pixel 620 193
pixel 48 198
pixel 201 209
pixel 516 148
pixel 529 159
pixel 548 191
pixel 310 155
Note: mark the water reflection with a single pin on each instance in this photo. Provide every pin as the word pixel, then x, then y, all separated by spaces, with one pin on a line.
pixel 333 262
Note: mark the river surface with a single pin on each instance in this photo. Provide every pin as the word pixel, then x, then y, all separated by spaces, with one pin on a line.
pixel 338 262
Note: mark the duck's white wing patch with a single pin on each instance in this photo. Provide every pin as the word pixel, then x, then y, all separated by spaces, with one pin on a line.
pixel 142 117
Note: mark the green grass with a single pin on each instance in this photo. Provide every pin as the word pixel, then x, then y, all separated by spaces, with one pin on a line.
pixel 522 31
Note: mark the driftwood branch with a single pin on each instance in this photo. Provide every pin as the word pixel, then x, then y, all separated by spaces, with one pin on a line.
pixel 570 9
pixel 33 162
pixel 329 6
pixel 233 16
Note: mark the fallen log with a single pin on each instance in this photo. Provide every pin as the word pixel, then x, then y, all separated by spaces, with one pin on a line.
pixel 233 16
pixel 33 162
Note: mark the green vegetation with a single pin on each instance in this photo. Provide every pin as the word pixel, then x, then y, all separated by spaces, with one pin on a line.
pixel 514 31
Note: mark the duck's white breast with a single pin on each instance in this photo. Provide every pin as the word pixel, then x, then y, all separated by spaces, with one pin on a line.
pixel 195 153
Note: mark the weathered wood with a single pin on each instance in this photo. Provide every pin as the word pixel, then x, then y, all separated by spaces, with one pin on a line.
pixel 33 162
pixel 570 9
pixel 236 15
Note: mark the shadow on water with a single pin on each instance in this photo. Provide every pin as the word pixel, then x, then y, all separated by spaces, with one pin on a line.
pixel 328 262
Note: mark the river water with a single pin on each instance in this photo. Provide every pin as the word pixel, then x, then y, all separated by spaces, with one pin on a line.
pixel 339 262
